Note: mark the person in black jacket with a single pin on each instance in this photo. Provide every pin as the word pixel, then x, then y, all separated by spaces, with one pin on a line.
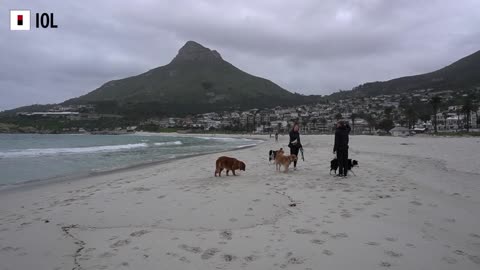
pixel 341 147
pixel 295 143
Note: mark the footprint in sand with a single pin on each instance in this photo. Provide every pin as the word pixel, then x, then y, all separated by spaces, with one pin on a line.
pixel 10 249
pixel 339 235
pixel 207 254
pixel 139 233
pixel 139 189
pixel 317 241
pixel 172 254
pixel 250 258
pixel 391 239
pixel 184 259
pixel 296 260
pixel 226 235
pixel 379 215
pixel 304 231
pixel 229 258
pixel 385 264
pixel 292 260
pixel 120 243
pixel 327 252
pixel 190 249
pixel 372 243
pixel 393 253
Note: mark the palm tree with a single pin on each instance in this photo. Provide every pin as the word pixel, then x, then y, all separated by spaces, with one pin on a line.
pixel 371 122
pixel 338 116
pixel 475 110
pixel 445 116
pixel 305 124
pixel 467 110
pixel 411 116
pixel 314 122
pixel 458 110
pixel 435 102
pixel 353 117
pixel 323 122
pixel 388 112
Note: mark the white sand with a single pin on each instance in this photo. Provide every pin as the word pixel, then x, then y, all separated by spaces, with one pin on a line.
pixel 413 204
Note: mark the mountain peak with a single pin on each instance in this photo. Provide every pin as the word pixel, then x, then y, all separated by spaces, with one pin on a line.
pixel 193 51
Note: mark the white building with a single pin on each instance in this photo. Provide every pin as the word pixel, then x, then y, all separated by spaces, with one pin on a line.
pixel 400 131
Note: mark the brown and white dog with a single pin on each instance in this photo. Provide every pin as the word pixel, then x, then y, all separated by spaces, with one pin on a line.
pixel 282 160
pixel 229 164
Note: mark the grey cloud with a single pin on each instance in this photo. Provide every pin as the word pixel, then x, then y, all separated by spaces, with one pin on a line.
pixel 309 46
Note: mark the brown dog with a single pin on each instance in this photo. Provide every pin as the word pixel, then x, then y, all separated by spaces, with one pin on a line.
pixel 282 160
pixel 229 164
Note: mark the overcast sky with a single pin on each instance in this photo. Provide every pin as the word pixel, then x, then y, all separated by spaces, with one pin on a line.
pixel 305 46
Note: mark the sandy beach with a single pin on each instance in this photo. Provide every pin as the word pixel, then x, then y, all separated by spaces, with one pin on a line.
pixel 413 203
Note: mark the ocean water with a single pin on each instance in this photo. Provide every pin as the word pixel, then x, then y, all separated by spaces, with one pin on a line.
pixel 33 157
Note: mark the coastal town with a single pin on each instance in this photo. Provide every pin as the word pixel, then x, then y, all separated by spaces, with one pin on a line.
pixel 420 111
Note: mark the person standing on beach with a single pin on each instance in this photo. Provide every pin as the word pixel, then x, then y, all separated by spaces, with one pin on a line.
pixel 276 136
pixel 341 147
pixel 295 143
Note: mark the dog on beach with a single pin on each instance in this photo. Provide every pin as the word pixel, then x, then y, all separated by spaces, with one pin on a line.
pixel 229 164
pixel 350 164
pixel 282 160
pixel 272 154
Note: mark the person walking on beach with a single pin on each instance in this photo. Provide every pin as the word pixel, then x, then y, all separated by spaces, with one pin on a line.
pixel 341 147
pixel 294 143
pixel 276 136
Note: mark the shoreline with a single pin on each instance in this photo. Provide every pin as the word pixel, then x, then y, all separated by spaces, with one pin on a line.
pixel 34 183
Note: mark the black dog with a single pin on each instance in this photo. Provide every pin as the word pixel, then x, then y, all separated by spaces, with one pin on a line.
pixel 272 155
pixel 350 164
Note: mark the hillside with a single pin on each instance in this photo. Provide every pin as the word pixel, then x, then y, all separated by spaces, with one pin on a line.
pixel 197 80
pixel 464 74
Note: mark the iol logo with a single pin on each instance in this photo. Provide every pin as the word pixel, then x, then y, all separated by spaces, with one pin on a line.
pixel 20 20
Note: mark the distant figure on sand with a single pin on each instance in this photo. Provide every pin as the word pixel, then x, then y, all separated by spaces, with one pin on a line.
pixel 276 136
pixel 341 146
pixel 295 143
